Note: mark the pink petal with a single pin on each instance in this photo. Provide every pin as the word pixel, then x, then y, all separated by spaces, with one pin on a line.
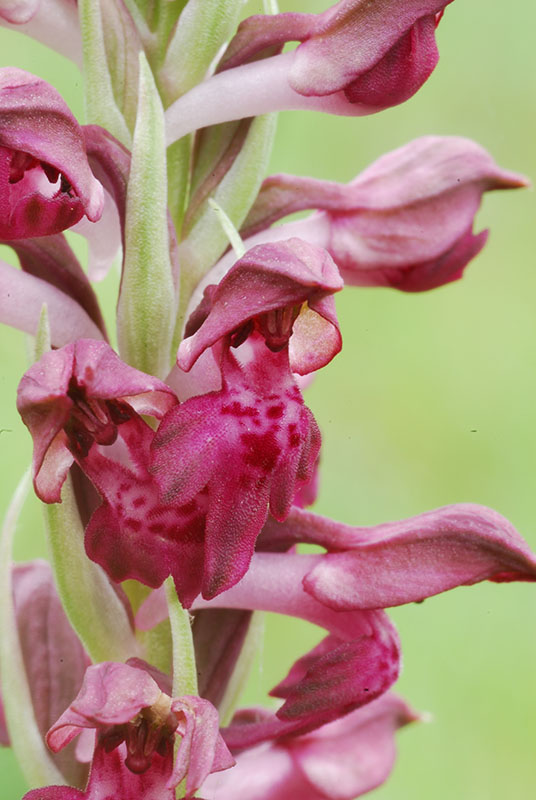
pixel 268 278
pixel 354 754
pixel 403 562
pixel 202 749
pixel 51 259
pixel 47 182
pixel 21 301
pixel 111 694
pixel 54 659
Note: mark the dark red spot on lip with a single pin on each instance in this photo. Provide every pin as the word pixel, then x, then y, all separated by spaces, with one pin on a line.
pixel 156 527
pixel 262 450
pixel 236 409
pixel 294 439
pixel 275 412
pixel 138 502
pixel 133 524
pixel 189 508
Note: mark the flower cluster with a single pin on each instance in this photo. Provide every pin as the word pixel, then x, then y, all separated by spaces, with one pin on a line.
pixel 176 470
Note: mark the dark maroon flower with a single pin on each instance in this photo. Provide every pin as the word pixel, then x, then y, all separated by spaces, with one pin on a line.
pixel 46 184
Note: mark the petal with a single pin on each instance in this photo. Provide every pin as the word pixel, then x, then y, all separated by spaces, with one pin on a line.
pixel 54 659
pixel 403 562
pixel 202 749
pixel 56 146
pixel 355 754
pixel 267 278
pixel 335 678
pixel 111 694
pixel 51 259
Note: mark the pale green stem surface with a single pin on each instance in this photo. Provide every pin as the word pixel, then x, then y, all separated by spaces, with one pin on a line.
pixel 146 307
pixel 101 108
pixel 184 666
pixel 92 606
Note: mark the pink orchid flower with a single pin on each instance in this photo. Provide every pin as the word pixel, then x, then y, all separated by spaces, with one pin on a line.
pixel 350 48
pixel 77 396
pixel 45 179
pixel 136 723
pixel 357 57
pixel 405 222
pixel 253 444
pixel 339 761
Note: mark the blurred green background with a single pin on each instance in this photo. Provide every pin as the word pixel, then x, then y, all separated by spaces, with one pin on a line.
pixel 431 402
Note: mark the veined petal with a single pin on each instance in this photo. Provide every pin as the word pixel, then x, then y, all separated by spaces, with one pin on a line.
pixel 22 297
pixel 77 395
pixel 403 562
pixel 269 279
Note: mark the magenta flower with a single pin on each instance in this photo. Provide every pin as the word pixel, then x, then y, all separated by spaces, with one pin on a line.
pixel 350 48
pixel 356 58
pixel 405 222
pixel 403 562
pixel 45 179
pixel 285 292
pixel 136 723
pixel 253 444
pixel 339 761
pixel 78 396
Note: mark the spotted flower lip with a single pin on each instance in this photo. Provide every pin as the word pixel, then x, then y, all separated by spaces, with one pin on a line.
pixel 46 182
pixel 257 432
pixel 264 286
pixel 75 396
